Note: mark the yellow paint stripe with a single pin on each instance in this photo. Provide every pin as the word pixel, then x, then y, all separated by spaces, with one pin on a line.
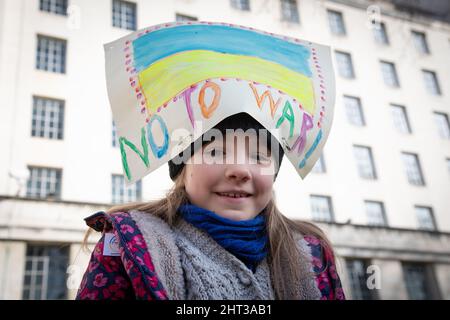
pixel 168 77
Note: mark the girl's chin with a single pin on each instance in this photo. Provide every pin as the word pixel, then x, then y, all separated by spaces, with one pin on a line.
pixel 234 214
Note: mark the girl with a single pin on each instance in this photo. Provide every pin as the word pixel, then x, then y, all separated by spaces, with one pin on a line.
pixel 216 235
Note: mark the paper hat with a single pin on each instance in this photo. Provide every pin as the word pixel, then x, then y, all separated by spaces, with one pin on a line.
pixel 169 84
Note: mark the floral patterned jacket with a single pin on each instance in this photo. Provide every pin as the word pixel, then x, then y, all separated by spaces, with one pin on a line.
pixel 132 274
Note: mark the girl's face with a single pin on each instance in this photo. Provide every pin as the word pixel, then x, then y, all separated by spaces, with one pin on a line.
pixel 232 178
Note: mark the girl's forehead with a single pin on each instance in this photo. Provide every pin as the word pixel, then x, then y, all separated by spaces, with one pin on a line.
pixel 250 140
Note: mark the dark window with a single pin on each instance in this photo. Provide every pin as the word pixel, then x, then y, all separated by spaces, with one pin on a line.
pixel 420 281
pixel 45 272
pixel 357 275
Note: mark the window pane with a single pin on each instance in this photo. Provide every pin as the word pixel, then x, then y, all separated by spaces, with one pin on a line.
pixel 124 14
pixel 54 6
pixel 44 183
pixel 420 42
pixel 364 161
pixel 182 17
pixel 425 218
pixel 400 119
pixel 47 118
pixel 413 170
pixel 123 194
pixel 416 281
pixel 431 82
pixel 241 4
pixel 357 276
pixel 289 11
pixel 442 123
pixel 389 73
pixel 380 34
pixel 321 209
pixel 336 22
pixel 344 64
pixel 45 272
pixel 354 110
pixel 51 54
pixel 375 213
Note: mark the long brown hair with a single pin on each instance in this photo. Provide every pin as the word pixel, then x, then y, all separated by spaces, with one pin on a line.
pixel 283 253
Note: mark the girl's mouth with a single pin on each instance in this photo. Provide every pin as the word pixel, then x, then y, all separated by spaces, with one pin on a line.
pixel 233 196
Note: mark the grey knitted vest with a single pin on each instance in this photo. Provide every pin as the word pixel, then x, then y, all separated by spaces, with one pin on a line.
pixel 192 265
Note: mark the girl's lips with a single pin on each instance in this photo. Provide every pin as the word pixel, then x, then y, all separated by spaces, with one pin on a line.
pixel 232 199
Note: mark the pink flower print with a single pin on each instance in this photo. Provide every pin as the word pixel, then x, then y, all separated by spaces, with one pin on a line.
pixel 92 266
pixel 126 228
pixel 137 241
pixel 340 294
pixel 100 280
pixel 121 282
pixel 111 264
pixel 92 295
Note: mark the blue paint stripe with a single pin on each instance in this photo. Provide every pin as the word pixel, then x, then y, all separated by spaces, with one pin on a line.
pixel 161 43
pixel 310 151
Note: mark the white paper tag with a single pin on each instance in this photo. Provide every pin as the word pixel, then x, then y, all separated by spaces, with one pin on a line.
pixel 111 245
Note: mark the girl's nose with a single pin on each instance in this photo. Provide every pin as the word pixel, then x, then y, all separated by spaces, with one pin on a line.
pixel 239 173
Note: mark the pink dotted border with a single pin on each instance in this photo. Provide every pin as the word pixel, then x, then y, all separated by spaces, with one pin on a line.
pixel 321 84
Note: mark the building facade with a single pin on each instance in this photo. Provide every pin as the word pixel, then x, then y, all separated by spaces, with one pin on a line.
pixel 380 189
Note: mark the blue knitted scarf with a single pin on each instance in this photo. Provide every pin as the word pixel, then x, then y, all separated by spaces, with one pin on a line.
pixel 247 239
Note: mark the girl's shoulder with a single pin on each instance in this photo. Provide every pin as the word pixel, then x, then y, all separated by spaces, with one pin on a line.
pixel 102 221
